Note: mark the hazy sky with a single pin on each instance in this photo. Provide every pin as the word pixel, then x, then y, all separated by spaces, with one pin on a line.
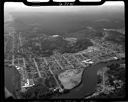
pixel 11 6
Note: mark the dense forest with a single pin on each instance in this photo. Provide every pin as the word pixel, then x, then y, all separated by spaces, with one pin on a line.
pixel 45 47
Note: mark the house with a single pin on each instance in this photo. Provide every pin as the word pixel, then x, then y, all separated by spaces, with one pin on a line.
pixel 29 83
pixel 88 61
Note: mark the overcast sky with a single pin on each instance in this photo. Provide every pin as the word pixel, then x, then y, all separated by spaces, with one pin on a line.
pixel 11 6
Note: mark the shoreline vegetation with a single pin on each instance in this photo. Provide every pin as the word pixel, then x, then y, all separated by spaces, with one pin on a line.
pixel 85 88
pixel 80 91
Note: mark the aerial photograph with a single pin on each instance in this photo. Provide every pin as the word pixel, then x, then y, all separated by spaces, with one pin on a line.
pixel 64 52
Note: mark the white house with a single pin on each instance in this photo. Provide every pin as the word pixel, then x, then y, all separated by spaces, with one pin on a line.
pixel 88 61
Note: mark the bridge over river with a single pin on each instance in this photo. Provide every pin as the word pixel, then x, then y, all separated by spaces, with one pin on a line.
pixel 88 83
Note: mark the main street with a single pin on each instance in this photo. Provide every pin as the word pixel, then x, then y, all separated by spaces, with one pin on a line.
pixel 58 63
pixel 52 73
pixel 37 67
pixel 68 62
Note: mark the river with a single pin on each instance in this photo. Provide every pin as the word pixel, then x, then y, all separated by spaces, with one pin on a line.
pixel 89 81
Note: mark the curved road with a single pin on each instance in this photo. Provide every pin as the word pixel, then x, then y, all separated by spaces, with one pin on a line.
pixel 89 81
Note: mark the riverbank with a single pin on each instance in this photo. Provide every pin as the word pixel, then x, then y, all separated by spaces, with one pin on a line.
pixel 88 82
pixel 70 78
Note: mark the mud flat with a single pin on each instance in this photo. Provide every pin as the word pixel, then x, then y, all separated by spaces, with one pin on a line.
pixel 70 78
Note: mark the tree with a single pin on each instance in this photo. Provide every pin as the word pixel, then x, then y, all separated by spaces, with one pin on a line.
pixel 37 92
pixel 50 82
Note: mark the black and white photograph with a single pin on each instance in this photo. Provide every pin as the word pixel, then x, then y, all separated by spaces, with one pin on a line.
pixel 65 51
